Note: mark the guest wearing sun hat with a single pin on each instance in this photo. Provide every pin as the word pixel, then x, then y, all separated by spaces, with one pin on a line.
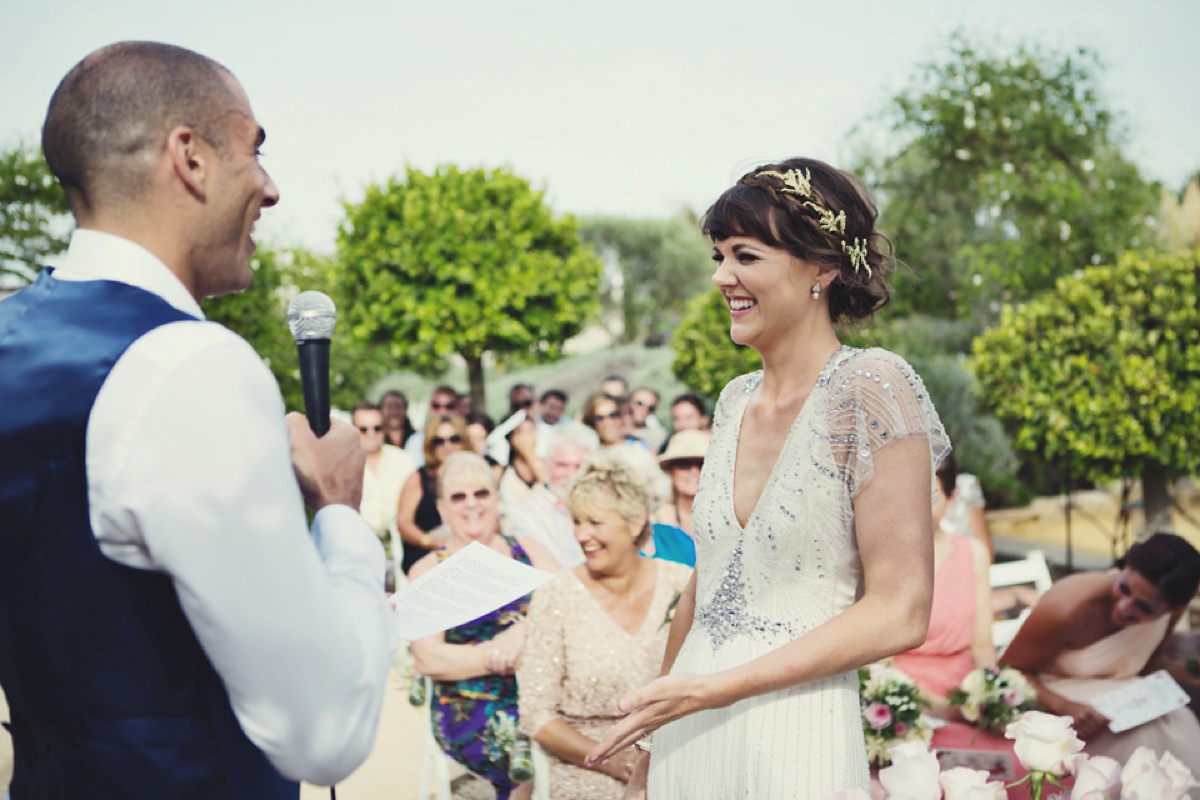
pixel 682 461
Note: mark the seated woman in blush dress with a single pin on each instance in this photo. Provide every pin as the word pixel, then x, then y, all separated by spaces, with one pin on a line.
pixel 1093 632
pixel 474 702
pixel 960 624
pixel 597 631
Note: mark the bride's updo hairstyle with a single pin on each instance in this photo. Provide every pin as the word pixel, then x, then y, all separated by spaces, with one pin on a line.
pixel 819 214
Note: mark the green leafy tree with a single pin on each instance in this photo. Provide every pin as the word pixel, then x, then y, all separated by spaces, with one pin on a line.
pixel 34 214
pixel 258 315
pixel 1009 174
pixel 464 261
pixel 660 264
pixel 1102 374
pixel 705 357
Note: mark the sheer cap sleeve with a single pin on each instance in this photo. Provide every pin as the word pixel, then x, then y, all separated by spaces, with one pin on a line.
pixel 876 398
pixel 542 672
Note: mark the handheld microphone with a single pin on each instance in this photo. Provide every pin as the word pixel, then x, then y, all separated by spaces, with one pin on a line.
pixel 311 318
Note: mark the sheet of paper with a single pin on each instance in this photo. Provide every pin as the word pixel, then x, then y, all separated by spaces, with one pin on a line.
pixel 1141 701
pixel 998 764
pixel 465 586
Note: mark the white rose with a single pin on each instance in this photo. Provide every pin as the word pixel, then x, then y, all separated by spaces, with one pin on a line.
pixel 973 684
pixel 1044 742
pixel 913 774
pixel 964 783
pixel 1143 778
pixel 1096 778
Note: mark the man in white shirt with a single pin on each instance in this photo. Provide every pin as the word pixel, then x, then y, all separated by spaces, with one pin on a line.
pixel 544 517
pixel 643 404
pixel 387 468
pixel 181 633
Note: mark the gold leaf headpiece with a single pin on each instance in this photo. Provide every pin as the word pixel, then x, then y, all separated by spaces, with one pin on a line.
pixel 798 182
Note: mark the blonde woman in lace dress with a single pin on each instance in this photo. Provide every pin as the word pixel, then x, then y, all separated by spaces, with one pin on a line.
pixel 812 523
pixel 597 631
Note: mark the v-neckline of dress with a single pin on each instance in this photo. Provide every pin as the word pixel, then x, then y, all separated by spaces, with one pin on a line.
pixel 649 609
pixel 737 440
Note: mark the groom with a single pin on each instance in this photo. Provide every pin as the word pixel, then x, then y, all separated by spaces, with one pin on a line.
pixel 168 627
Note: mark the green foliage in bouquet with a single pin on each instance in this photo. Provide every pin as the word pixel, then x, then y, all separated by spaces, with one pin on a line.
pixel 992 697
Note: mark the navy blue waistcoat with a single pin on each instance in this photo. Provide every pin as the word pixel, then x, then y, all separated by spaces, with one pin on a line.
pixel 110 694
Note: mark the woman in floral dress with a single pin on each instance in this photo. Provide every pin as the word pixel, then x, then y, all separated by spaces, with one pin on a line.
pixel 474 702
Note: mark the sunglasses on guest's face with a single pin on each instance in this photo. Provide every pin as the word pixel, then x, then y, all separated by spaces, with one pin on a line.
pixel 688 463
pixel 613 416
pixel 369 429
pixel 525 404
pixel 644 404
pixel 438 441
pixel 450 406
pixel 480 495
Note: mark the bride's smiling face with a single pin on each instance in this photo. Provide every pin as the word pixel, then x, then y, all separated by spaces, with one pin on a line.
pixel 767 289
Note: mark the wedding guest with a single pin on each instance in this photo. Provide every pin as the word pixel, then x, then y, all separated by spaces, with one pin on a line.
pixel 646 427
pixel 525 469
pixel 1093 632
pixel 387 469
pixel 602 413
pixel 545 517
pixel 597 631
pixel 520 398
pixel 682 461
pixel 396 426
pixel 444 401
pixel 965 509
pixel 550 413
pixel 688 414
pixel 418 515
pixel 474 700
pixel 615 386
pixel 479 427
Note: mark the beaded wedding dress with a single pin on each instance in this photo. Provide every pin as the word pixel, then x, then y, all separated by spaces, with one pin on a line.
pixel 793 568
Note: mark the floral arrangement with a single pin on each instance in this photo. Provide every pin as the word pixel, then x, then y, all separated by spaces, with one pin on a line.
pixel 891 711
pixel 992 697
pixel 1047 746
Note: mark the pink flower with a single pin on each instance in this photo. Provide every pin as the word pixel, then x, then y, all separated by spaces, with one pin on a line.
pixel 901 729
pixel 878 715
pixel 1014 698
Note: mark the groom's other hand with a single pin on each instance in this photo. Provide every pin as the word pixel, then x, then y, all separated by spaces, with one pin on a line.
pixel 329 469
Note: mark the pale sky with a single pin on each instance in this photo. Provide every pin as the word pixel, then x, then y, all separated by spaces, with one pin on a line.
pixel 616 107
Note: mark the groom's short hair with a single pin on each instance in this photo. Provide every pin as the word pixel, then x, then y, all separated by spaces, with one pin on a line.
pixel 109 115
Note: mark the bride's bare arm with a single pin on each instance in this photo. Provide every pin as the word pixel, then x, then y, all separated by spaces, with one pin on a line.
pixel 894 530
pixel 681 623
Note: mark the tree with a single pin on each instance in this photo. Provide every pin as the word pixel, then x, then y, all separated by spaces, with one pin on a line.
pixel 1102 374
pixel 705 357
pixel 258 315
pixel 464 261
pixel 1009 174
pixel 34 215
pixel 660 265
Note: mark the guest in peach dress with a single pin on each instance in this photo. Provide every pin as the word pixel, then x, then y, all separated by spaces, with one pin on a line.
pixel 596 632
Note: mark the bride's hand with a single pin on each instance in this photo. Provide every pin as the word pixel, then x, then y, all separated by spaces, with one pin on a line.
pixel 654 705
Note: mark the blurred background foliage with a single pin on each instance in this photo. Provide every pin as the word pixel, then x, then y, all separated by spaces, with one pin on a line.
pixel 1046 290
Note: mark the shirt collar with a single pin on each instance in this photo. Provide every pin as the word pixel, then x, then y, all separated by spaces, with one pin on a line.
pixel 95 255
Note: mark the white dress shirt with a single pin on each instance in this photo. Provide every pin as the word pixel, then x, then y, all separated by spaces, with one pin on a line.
pixel 189 474
pixel 382 486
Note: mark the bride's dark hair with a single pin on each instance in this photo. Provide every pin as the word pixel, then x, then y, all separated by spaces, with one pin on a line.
pixel 1170 563
pixel 762 204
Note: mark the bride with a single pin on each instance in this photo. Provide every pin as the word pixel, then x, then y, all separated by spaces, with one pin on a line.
pixel 812 522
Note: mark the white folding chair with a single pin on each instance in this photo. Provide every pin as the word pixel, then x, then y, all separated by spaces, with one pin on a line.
pixel 1029 570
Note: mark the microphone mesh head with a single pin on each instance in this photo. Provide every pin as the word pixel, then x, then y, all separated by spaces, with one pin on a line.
pixel 311 315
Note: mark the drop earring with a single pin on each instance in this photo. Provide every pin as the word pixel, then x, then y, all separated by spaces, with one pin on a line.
pixel 816 291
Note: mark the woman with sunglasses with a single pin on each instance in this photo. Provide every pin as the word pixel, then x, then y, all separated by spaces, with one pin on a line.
pixel 602 413
pixel 473 666
pixel 682 461
pixel 417 516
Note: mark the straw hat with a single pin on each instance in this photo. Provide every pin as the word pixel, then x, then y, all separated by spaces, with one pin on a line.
pixel 685 445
